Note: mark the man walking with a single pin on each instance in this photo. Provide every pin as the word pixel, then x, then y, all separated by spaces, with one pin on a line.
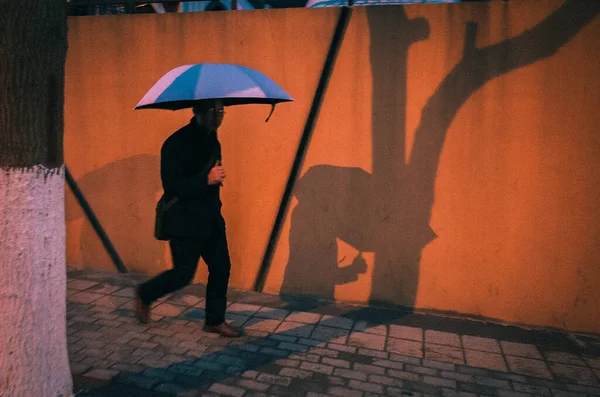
pixel 191 171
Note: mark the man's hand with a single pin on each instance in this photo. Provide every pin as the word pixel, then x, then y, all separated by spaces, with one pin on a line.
pixel 216 175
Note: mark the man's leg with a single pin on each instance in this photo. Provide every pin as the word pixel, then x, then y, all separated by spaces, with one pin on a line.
pixel 185 254
pixel 216 255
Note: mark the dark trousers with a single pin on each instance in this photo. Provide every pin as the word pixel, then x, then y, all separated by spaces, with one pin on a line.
pixel 186 253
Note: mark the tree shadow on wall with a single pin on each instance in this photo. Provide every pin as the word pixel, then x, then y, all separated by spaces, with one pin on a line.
pixel 123 196
pixel 388 212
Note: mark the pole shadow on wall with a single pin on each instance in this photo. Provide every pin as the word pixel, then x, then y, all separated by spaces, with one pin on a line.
pixel 126 191
pixel 388 212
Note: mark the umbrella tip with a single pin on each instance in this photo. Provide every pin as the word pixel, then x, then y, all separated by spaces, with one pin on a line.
pixel 271 113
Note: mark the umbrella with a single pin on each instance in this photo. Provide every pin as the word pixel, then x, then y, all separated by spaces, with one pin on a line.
pixel 186 85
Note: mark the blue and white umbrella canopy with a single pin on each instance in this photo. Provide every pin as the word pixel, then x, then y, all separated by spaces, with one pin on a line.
pixel 186 85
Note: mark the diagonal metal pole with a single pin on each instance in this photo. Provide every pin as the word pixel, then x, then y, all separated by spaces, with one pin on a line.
pixel 87 210
pixel 334 48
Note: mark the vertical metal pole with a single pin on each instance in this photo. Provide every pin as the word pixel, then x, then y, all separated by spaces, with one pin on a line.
pixel 336 43
pixel 110 249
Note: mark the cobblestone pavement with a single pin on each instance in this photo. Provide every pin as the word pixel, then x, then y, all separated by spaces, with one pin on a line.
pixel 308 347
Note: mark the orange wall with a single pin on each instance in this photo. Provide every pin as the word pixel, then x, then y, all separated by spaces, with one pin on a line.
pixel 465 180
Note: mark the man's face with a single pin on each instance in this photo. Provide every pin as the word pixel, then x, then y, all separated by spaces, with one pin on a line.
pixel 212 117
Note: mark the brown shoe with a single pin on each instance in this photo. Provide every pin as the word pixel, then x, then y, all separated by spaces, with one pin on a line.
pixel 223 329
pixel 142 310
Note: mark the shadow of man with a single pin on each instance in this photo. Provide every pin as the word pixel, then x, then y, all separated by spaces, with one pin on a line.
pixel 388 212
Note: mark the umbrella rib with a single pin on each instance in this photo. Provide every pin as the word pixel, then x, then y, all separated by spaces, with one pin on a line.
pixel 254 81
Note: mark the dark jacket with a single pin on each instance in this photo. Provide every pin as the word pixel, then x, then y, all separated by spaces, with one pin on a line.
pixel 184 168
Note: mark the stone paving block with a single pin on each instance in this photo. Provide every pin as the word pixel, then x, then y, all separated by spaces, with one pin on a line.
pixel 374 353
pixel 342 348
pixel 528 366
pixel 127 292
pixel 336 322
pixel 510 393
pixel 456 393
pixel 112 301
pixel 343 392
pixel 105 289
pixel 366 386
pixel 102 374
pixel 286 362
pixel 442 338
pixel 422 387
pixel 531 389
pixel 508 376
pixel 227 390
pixel 295 373
pixel 329 334
pixel 125 367
pixel 405 332
pixel 564 358
pixel 403 375
pixel 489 381
pixel 350 374
pixel 312 342
pixel 304 317
pixel 388 363
pixel 284 338
pixel 439 365
pixel 405 359
pixel 481 344
pixel 405 347
pixel 172 389
pixel 485 360
pixel 336 362
pixel 77 368
pixel 589 390
pixel 457 376
pixel 369 369
pixel 365 326
pixel 574 374
pixel 313 358
pixel 272 313
pixel 476 388
pixel 80 285
pixel 385 380
pixel 320 368
pixel 444 353
pixel 161 374
pixel 441 382
pixel 184 299
pixel 168 310
pixel 274 379
pixel 261 324
pixel 194 314
pixel 593 362
pixel 563 393
pixel 275 352
pixel 243 309
pixel 236 320
pixel 397 392
pixel 85 297
pixel 520 350
pixel 295 329
pixel 421 370
pixel 324 352
pixel 253 385
pixel 366 340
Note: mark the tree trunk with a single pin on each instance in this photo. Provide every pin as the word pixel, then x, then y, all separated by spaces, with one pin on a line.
pixel 33 348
